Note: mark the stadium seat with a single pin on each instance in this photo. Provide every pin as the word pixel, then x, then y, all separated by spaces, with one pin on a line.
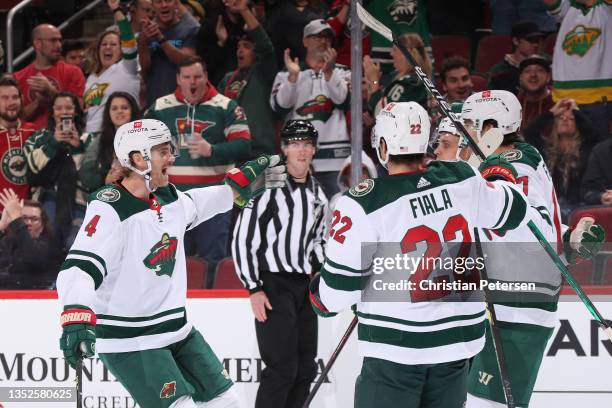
pixel 444 46
pixel 601 266
pixel 226 277
pixel 491 49
pixel 196 272
pixel 480 82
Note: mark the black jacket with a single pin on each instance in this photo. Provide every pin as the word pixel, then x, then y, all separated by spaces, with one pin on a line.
pixel 28 263
pixel 598 174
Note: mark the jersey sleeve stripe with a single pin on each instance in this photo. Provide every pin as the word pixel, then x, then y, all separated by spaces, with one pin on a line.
pixel 516 214
pixel 420 340
pixel 341 282
pixel 86 266
pixel 335 265
pixel 86 254
pixel 503 214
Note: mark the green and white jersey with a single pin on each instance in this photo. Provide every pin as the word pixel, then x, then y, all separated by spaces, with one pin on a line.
pixel 581 68
pixel 420 210
pixel 128 263
pixel 516 256
pixel 537 185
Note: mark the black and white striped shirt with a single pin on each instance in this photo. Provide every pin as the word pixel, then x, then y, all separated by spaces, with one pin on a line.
pixel 280 231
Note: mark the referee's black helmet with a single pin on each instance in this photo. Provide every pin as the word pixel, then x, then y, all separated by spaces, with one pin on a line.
pixel 297 129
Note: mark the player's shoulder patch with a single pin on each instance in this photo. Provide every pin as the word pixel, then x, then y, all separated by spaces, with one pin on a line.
pixel 108 194
pixel 122 202
pixel 523 153
pixel 361 189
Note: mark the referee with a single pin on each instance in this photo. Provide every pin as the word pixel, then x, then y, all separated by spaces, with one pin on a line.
pixel 278 243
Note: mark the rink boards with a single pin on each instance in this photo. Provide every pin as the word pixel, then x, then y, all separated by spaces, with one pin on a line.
pixel 575 370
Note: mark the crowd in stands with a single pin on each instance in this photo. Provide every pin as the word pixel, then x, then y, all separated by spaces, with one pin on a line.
pixel 226 75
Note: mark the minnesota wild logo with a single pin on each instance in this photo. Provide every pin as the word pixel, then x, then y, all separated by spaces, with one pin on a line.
pixel 162 257
pixel 580 40
pixel 319 108
pixel 94 95
pixel 14 166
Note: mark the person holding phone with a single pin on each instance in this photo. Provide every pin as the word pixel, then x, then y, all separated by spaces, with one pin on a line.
pixel 54 155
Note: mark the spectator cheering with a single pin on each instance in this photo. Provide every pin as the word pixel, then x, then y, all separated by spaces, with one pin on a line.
pixel 566 152
pixel 596 186
pixel 140 11
pixel 29 252
pixel 213 134
pixel 99 165
pixel 456 80
pixel 163 44
pixel 13 135
pixel 115 68
pixel 47 75
pixel 251 83
pixel 316 90
pixel 581 65
pixel 526 40
pixel 73 52
pixel 400 85
pixel 534 95
pixel 54 154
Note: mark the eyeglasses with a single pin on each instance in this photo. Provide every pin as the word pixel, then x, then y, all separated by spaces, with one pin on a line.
pixel 33 220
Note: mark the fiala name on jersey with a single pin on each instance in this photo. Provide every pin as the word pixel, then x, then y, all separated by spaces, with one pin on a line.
pixel 430 203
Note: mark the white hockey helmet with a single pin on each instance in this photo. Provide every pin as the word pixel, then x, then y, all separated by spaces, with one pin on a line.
pixel 141 136
pixel 404 126
pixel 446 125
pixel 501 106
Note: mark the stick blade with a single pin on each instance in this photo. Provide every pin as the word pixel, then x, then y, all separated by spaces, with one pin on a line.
pixel 369 20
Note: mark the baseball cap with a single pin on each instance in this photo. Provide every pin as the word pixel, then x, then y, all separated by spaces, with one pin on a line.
pixel 317 27
pixel 537 60
pixel 526 29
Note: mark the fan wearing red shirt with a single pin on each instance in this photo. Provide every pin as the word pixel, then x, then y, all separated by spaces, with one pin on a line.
pixel 47 75
pixel 13 134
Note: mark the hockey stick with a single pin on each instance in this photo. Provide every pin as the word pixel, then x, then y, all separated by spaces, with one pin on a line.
pixel 497 340
pixel 381 29
pixel 79 382
pixel 330 363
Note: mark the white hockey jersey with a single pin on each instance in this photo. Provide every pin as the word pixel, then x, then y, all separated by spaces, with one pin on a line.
pixel 534 178
pixel 321 102
pixel 128 264
pixel 418 210
pixel 517 256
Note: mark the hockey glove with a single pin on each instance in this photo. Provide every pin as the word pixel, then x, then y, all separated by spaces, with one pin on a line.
pixel 496 167
pixel 252 179
pixel 583 241
pixel 315 300
pixel 79 334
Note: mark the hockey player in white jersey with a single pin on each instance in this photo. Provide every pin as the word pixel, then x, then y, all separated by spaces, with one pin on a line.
pixel 123 284
pixel 416 351
pixel 526 320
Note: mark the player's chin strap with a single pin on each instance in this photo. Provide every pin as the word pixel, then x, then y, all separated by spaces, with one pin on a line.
pixel 146 174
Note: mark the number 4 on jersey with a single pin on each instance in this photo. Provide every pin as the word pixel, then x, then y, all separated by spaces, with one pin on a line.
pixel 90 228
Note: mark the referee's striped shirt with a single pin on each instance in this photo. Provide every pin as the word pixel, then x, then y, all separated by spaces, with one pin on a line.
pixel 280 231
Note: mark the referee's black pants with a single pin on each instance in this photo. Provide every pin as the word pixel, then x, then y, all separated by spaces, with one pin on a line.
pixel 287 342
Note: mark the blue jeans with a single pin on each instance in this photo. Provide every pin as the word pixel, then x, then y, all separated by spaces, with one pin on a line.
pixel 209 240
